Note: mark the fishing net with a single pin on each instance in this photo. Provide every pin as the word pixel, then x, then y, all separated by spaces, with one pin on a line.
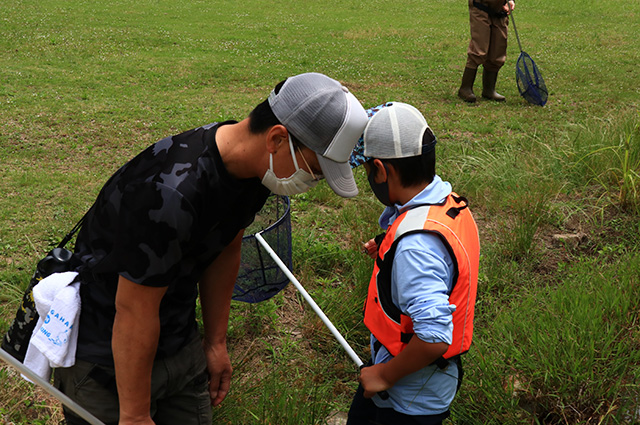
pixel 530 83
pixel 259 277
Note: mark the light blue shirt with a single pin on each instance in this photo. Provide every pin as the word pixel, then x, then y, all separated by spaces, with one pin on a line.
pixel 421 278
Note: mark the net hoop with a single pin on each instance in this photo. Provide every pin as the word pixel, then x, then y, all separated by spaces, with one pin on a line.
pixel 530 82
pixel 259 277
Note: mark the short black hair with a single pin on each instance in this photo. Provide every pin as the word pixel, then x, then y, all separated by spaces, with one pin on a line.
pixel 417 169
pixel 262 118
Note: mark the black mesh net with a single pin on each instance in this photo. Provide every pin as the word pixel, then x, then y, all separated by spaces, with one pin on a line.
pixel 530 83
pixel 259 277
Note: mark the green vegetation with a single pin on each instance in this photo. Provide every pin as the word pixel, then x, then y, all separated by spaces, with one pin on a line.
pixel 555 190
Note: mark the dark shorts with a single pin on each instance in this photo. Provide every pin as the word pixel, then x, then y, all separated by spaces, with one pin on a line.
pixel 179 389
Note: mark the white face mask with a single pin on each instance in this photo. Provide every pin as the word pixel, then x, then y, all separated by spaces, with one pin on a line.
pixel 298 182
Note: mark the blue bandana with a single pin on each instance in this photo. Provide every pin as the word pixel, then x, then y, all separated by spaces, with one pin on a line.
pixel 357 156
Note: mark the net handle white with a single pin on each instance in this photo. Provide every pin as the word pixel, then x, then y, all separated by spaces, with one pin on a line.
pixel 63 398
pixel 310 301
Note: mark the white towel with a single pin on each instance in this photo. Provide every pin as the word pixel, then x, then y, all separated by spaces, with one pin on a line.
pixel 54 340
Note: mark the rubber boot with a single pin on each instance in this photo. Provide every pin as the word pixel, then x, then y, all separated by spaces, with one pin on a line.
pixel 489 79
pixel 466 88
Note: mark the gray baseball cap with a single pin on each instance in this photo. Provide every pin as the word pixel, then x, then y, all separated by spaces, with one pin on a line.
pixel 395 130
pixel 328 119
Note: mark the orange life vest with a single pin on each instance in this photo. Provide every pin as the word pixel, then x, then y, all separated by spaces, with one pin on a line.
pixel 453 222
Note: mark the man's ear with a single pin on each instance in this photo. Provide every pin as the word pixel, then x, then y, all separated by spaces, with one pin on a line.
pixel 381 174
pixel 275 137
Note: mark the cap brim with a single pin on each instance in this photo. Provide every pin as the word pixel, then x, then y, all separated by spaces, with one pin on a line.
pixel 339 177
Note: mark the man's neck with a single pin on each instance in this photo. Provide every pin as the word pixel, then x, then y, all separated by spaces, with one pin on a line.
pixel 239 149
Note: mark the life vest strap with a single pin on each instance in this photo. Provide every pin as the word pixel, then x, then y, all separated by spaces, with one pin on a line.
pixel 454 211
pixel 441 362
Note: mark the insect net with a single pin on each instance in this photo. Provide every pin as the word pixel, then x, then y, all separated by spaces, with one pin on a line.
pixel 530 83
pixel 259 277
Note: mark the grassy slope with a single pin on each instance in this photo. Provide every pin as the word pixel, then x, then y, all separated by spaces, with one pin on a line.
pixel 86 86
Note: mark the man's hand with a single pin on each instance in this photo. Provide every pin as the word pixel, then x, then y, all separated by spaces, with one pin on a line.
pixel 219 367
pixel 416 355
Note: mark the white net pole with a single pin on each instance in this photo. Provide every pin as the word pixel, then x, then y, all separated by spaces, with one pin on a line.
pixel 64 399
pixel 310 300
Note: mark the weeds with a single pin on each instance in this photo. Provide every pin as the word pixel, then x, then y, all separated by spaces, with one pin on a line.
pixel 572 357
pixel 87 87
pixel 515 190
pixel 630 169
pixel 609 156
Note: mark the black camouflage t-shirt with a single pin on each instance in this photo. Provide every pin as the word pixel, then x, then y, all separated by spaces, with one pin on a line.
pixel 160 221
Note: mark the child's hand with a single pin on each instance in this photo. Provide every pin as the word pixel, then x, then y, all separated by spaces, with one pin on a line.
pixel 370 248
pixel 372 380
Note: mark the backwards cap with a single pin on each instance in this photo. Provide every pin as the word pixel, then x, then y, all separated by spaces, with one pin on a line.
pixel 323 115
pixel 395 130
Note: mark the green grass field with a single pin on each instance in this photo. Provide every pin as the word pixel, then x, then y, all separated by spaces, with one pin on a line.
pixel 86 85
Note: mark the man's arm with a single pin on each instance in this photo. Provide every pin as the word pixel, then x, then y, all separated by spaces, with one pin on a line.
pixel 136 330
pixel 216 289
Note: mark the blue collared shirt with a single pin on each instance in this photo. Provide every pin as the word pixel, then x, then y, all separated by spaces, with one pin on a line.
pixel 421 279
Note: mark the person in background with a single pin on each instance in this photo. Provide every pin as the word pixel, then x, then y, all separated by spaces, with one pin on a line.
pixel 488 21
pixel 420 303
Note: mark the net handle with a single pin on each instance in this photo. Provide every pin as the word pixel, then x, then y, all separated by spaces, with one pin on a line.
pixel 513 21
pixel 63 398
pixel 343 342
pixel 309 300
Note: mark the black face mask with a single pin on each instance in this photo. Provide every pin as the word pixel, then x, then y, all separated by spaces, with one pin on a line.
pixel 381 190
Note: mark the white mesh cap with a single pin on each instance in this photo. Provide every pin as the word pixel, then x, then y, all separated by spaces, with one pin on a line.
pixel 394 132
pixel 323 115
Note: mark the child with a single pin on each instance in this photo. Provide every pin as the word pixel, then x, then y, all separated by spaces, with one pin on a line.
pixel 419 323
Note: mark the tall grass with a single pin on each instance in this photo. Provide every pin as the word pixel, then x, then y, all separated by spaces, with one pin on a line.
pixel 571 357
pixel 606 153
pixel 516 190
pixel 85 86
